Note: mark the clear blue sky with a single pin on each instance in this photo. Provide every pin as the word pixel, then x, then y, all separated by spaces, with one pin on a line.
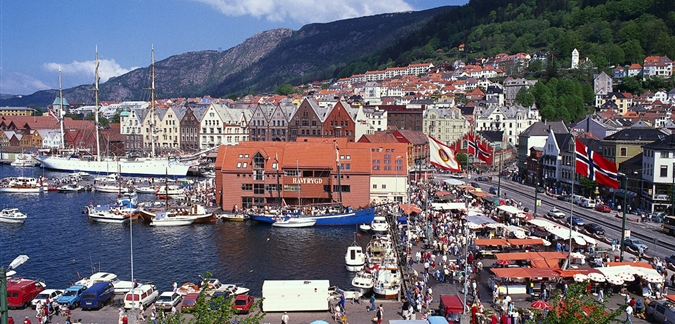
pixel 37 36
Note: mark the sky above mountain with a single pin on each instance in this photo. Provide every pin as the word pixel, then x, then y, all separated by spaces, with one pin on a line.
pixel 39 36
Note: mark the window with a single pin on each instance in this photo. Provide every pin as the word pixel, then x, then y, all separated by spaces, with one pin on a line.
pixel 664 154
pixel 238 165
pixel 374 186
pixel 384 186
pixel 258 188
pixel 291 173
pixel 387 168
pixel 291 187
pixel 376 167
pixel 247 186
pixel 623 151
pixel 376 161
pixel 399 168
pixel 664 171
pixel 245 165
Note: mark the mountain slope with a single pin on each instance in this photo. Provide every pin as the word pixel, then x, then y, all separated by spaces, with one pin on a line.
pixel 260 63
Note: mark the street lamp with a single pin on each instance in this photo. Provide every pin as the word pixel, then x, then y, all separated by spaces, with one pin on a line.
pixel 21 259
pixel 672 194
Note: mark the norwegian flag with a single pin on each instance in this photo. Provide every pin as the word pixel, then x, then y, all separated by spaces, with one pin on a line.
pixel 472 147
pixel 483 153
pixel 595 167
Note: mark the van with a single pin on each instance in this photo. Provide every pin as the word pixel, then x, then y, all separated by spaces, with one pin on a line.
pixel 142 295
pixel 587 202
pixel 660 312
pixel 20 292
pixel 96 296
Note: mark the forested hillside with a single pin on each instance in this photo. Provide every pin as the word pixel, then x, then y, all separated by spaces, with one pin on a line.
pixel 608 32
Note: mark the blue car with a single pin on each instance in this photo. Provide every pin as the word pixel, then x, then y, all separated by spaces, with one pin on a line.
pixel 635 244
pixel 576 221
pixel 71 297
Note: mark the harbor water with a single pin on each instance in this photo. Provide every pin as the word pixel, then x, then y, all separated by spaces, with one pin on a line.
pixel 63 245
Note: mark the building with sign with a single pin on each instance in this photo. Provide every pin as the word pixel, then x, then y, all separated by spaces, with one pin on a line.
pixel 310 171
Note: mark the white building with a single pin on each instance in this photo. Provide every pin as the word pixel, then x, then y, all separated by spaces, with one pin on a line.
pixel 575 59
pixel 369 121
pixel 513 120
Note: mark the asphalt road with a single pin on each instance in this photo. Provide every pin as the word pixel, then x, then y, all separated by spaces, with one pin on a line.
pixel 660 244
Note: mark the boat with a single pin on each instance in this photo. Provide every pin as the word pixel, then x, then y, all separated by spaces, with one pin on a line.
pixel 237 217
pixel 12 215
pixel 145 190
pixel 121 286
pixel 379 225
pixel 187 288
pixel 173 190
pixel 24 160
pixel 294 222
pixel 387 281
pixel 234 289
pixel 83 175
pixel 110 183
pixel 163 219
pixel 108 214
pixel 355 259
pixel 20 185
pixel 330 218
pixel 80 160
pixel 364 281
pixel 380 250
pixel 364 228
pixel 196 212
pixel 71 187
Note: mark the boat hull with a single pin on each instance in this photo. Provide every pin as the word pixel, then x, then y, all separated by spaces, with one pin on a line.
pixel 12 220
pixel 147 167
pixel 299 223
pixel 20 190
pixel 353 218
pixel 147 216
pixel 176 222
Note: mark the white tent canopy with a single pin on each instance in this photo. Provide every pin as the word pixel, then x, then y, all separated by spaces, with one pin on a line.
pixel 510 209
pixel 448 206
pixel 453 182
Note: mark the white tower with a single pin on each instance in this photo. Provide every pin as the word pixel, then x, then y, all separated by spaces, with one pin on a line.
pixel 575 59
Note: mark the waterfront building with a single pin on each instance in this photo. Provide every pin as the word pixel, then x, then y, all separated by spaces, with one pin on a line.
pixel 168 130
pixel 306 121
pixel 536 135
pixel 16 111
pixel 131 122
pixel 513 120
pixel 657 173
pixel 284 173
pixel 189 130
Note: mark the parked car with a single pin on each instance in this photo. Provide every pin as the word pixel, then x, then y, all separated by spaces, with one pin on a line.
pixel 71 297
pixel 576 221
pixel 493 190
pixel 541 190
pixel 20 292
pixel 635 244
pixel 189 302
pixel 218 299
pixel 660 312
pixel 564 197
pixel 594 229
pixel 145 294
pixel 51 294
pixel 603 208
pixel 556 213
pixel 168 299
pixel 475 185
pixel 243 303
pixel 670 259
pixel 96 296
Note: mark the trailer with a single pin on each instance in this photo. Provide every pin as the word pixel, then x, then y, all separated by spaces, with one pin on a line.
pixel 295 295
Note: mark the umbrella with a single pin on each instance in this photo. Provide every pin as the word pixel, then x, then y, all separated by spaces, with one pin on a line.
pixel 615 280
pixel 503 262
pixel 540 304
pixel 580 277
pixel 627 276
pixel 319 322
pixel 653 279
pixel 596 277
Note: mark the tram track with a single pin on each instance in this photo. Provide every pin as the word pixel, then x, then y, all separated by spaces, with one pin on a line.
pixel 594 216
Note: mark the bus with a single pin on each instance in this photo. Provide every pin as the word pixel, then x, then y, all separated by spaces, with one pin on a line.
pixel 669 225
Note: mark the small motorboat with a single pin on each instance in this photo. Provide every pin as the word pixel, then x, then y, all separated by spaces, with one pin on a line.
pixel 82 174
pixel 294 222
pixel 145 190
pixel 12 215
pixel 232 217
pixel 187 288
pixel 379 225
pixel 25 160
pixel 364 281
pixel 235 289
pixel 70 188
pixel 364 228
pixel 162 219
pixel 355 259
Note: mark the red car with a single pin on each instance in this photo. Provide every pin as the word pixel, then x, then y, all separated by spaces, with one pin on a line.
pixel 243 303
pixel 603 208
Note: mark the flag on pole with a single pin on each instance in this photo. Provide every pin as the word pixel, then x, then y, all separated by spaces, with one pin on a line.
pixel 442 156
pixel 483 153
pixel 472 147
pixel 595 167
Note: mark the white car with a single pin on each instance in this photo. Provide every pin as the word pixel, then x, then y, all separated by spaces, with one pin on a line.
pixel 168 299
pixel 52 294
pixel 556 213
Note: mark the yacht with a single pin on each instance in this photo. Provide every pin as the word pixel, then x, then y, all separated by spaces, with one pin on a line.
pixel 12 215
pixel 355 259
pixel 379 225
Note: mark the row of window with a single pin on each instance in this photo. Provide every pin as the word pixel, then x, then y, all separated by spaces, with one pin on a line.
pixel 259 189
pixel 388 168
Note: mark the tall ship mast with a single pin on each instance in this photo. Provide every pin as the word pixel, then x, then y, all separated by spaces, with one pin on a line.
pixel 68 160
pixel 60 118
pixel 98 141
pixel 152 102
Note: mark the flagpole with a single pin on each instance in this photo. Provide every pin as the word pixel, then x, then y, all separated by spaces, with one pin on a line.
pixel 574 173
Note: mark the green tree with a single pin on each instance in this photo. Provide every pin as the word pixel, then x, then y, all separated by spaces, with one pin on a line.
pixel 211 310
pixel 285 90
pixel 524 97
pixel 462 159
pixel 615 54
pixel 633 51
pixel 116 118
pixel 576 307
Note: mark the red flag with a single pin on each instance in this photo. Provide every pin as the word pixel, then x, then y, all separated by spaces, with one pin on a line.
pixel 595 167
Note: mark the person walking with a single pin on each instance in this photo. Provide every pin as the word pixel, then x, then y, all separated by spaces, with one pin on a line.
pixel 372 303
pixel 629 314
pixel 341 303
pixel 380 313
pixel 601 296
pixel 284 318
